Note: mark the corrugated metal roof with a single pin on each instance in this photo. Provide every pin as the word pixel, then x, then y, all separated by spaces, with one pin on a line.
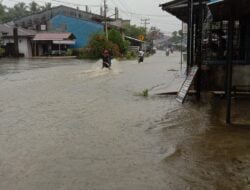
pixel 49 36
pixel 8 30
pixel 134 39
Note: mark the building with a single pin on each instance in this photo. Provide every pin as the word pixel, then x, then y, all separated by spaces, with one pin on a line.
pixel 81 29
pixel 218 43
pixel 82 24
pixel 46 43
pixel 135 44
pixel 24 40
pixel 38 21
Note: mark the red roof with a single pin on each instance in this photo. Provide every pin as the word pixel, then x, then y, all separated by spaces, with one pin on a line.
pixel 49 36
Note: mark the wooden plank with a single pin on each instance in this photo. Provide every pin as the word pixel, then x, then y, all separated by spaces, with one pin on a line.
pixel 186 85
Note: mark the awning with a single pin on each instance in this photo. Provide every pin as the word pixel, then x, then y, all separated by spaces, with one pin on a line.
pixel 133 39
pixel 64 42
pixel 53 36
pixel 179 8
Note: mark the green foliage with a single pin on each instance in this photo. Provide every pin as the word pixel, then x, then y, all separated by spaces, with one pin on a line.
pixel 2 51
pixel 97 44
pixel 144 93
pixel 69 52
pixel 176 37
pixel 134 31
pixel 131 55
pixel 20 10
pixel 116 37
pixel 34 7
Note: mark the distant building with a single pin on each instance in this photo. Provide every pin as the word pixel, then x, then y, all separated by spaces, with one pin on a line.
pixel 66 19
pixel 52 43
pixel 24 40
pixel 135 44
pixel 38 21
pixel 61 19
pixel 82 29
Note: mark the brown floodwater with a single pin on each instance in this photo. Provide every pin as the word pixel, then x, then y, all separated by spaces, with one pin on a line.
pixel 68 124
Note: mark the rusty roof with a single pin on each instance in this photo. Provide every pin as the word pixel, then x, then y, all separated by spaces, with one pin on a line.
pixel 50 36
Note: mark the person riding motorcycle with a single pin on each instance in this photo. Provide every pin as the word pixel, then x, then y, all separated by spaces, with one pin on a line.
pixel 106 59
pixel 140 56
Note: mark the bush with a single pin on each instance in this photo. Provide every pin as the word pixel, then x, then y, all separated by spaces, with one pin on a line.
pixel 131 55
pixel 69 52
pixel 2 52
pixel 97 44
pixel 116 37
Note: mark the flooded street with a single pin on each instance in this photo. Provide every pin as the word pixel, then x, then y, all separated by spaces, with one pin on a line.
pixel 69 125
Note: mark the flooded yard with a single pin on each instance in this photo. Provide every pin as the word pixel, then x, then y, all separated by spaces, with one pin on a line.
pixel 68 124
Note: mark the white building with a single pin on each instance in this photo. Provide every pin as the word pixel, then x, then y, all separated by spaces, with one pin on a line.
pixel 24 40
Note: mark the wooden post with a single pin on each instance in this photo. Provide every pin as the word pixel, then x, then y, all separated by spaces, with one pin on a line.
pixel 15 34
pixel 181 45
pixel 199 48
pixel 229 67
pixel 190 35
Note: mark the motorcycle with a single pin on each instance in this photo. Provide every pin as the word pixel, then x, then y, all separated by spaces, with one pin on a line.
pixel 140 59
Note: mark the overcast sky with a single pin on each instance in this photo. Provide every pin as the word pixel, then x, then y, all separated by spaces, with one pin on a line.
pixel 135 10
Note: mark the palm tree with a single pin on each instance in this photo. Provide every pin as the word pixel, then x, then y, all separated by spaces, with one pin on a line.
pixel 34 7
pixel 46 6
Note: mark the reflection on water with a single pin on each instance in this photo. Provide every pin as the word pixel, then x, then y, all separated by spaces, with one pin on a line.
pixel 200 152
pixel 73 125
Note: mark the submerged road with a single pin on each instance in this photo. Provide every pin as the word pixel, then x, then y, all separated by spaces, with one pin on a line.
pixel 69 125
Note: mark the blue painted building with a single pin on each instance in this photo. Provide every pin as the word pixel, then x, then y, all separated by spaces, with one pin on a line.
pixel 82 29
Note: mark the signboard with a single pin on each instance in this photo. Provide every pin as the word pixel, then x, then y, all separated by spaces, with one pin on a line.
pixel 186 85
pixel 141 37
pixel 43 27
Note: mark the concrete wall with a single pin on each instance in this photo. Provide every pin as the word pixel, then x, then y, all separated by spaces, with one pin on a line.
pixel 213 76
pixel 241 75
pixel 82 29
pixel 24 45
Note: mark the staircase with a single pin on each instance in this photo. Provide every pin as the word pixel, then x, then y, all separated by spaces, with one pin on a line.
pixel 182 94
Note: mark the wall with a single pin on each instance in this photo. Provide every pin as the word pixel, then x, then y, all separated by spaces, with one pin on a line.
pixel 34 21
pixel 82 29
pixel 24 45
pixel 241 75
pixel 213 77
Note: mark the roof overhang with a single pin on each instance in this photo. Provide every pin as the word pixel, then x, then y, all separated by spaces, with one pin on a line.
pixel 50 36
pixel 220 9
pixel 64 42
pixel 224 9
pixel 134 39
pixel 179 8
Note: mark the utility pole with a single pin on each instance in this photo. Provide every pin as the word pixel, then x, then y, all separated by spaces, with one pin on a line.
pixel 105 18
pixel 87 8
pixel 116 13
pixel 145 22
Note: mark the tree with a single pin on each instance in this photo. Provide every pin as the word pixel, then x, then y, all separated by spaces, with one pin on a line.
pixel 47 6
pixel 19 10
pixel 2 12
pixel 34 7
pixel 134 31
pixel 176 37
pixel 97 44
pixel 116 38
